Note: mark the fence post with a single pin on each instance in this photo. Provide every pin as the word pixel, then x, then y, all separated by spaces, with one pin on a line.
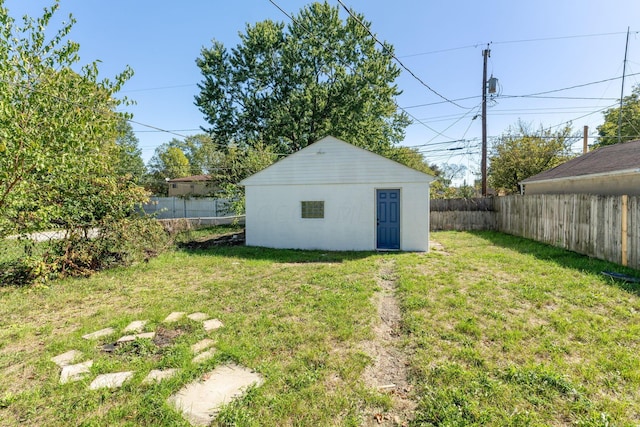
pixel 623 237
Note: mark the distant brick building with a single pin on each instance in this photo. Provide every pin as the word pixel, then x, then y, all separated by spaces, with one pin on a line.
pixel 197 185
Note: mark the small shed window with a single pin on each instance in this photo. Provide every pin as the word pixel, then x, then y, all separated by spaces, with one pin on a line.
pixel 174 185
pixel 313 209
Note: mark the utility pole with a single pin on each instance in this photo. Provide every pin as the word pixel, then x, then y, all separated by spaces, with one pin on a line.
pixel 624 71
pixel 483 164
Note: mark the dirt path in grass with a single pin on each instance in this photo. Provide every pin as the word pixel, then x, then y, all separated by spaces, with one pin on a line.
pixel 390 368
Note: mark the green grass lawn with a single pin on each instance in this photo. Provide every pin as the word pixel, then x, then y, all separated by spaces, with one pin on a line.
pixel 498 330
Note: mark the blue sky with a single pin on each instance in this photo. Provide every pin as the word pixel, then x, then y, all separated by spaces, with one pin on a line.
pixel 536 46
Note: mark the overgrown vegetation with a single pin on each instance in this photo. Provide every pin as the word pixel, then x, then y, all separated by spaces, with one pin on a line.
pixel 81 251
pixel 499 331
pixel 68 159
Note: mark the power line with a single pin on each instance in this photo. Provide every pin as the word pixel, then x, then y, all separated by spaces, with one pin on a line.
pixel 566 88
pixel 158 88
pixel 443 102
pixel 391 54
pixel 351 68
pixel 92 108
pixel 157 129
pixel 169 130
pixel 476 45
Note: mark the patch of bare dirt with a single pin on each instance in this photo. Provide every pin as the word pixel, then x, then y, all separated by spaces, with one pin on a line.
pixel 389 371
pixel 228 239
pixel 165 337
pixel 437 247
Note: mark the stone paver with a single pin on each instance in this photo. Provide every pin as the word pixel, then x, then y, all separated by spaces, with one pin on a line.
pixel 212 324
pixel 135 326
pixel 198 316
pixel 157 375
pixel 129 338
pixel 202 345
pixel 201 400
pixel 174 317
pixel 204 356
pixel 75 372
pixel 113 380
pixel 98 334
pixel 67 358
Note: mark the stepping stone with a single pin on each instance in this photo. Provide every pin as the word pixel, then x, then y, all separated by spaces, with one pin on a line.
pixel 174 317
pixel 135 326
pixel 203 356
pixel 157 375
pixel 98 334
pixel 113 380
pixel 72 373
pixel 202 345
pixel 201 400
pixel 129 338
pixel 198 317
pixel 212 324
pixel 67 358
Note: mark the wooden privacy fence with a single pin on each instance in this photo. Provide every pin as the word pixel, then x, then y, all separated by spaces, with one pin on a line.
pixel 462 214
pixel 604 227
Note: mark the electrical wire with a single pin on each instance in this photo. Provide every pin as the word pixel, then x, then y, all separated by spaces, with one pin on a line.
pixel 567 88
pixel 392 55
pixel 476 45
pixel 417 120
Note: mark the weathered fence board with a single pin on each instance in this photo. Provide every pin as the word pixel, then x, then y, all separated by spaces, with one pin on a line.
pixel 633 232
pixel 583 223
pixel 474 204
pixel 588 224
pixel 462 214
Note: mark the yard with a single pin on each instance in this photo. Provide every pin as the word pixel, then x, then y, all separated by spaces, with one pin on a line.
pixel 496 330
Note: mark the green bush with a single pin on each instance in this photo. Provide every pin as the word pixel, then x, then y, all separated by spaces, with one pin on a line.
pixel 116 243
pixel 83 251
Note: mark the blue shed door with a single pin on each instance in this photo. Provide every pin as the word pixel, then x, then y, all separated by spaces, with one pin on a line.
pixel 388 219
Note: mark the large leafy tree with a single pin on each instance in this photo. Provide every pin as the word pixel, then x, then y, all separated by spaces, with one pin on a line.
pixel 169 162
pixel 203 155
pixel 59 158
pixel 58 125
pixel 627 126
pixel 289 85
pixel 522 152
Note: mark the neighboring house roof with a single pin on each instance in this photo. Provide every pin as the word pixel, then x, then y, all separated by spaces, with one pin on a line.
pixel 333 161
pixel 194 178
pixel 614 159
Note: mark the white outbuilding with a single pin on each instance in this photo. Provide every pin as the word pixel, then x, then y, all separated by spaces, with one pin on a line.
pixel 332 195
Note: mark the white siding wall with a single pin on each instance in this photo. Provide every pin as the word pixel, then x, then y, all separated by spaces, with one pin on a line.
pixel 345 177
pixel 273 216
pixel 331 161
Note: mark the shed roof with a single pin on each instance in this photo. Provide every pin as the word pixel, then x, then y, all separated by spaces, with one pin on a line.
pixel 333 161
pixel 607 160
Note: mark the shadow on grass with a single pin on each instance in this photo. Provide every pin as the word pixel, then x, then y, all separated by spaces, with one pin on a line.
pixel 229 242
pixel 295 256
pixel 562 257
